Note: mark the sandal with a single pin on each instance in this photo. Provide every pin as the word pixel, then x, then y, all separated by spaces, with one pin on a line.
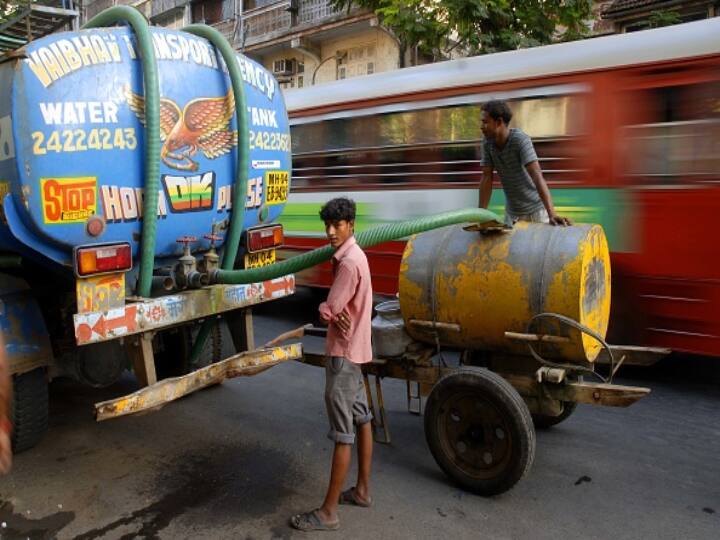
pixel 349 496
pixel 310 521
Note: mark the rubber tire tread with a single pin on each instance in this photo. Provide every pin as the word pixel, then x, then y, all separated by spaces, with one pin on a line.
pixel 30 409
pixel 543 421
pixel 507 399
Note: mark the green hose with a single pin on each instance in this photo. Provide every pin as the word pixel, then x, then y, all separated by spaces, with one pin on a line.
pixel 372 237
pixel 126 14
pixel 232 242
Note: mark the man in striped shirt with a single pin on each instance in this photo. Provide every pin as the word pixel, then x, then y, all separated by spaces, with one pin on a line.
pixel 510 152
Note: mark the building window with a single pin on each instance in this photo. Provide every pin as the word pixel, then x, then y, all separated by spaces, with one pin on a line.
pixel 356 61
pixel 208 12
pixel 289 72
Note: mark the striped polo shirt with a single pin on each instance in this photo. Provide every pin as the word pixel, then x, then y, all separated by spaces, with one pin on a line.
pixel 521 196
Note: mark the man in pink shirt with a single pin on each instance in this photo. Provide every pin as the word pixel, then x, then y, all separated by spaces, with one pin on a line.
pixel 347 311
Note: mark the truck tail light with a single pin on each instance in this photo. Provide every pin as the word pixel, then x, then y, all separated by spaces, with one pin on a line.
pixel 265 238
pixel 103 259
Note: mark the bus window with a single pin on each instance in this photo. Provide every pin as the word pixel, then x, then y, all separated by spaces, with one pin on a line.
pixel 679 137
pixel 427 146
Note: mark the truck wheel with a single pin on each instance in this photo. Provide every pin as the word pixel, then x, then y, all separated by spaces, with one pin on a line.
pixel 479 431
pixel 29 409
pixel 543 421
pixel 173 358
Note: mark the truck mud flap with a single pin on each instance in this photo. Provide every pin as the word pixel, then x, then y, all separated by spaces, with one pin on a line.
pixel 163 392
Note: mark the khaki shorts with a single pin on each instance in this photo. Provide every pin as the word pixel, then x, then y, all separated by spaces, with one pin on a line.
pixel 539 216
pixel 345 399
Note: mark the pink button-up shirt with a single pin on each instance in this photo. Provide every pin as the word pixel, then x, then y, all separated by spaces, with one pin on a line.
pixel 351 291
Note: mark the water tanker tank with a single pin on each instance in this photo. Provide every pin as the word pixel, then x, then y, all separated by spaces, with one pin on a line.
pixel 72 143
pixel 478 286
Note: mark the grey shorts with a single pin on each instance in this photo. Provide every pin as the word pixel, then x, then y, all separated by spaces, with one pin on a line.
pixel 539 216
pixel 345 399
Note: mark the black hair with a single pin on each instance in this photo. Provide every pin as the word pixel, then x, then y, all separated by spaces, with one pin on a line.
pixel 338 209
pixel 498 110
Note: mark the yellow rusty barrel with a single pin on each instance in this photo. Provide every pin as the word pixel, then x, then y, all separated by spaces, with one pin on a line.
pixel 467 289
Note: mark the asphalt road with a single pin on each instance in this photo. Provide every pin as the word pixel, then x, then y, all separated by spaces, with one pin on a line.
pixel 236 460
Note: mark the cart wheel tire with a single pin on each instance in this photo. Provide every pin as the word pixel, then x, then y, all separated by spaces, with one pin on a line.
pixel 479 431
pixel 29 409
pixel 543 421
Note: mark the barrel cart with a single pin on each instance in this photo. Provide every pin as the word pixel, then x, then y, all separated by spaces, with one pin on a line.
pixel 527 308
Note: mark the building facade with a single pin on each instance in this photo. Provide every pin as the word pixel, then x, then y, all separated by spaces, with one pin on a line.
pixel 305 42
pixel 223 14
pixel 302 42
pixel 631 15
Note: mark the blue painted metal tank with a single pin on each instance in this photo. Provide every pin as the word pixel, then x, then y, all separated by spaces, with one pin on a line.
pixel 72 148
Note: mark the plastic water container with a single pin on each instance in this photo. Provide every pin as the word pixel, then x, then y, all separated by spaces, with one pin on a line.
pixel 388 331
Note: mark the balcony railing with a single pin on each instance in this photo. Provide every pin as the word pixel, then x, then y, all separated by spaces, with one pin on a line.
pixel 163 6
pixel 314 11
pixel 227 28
pixel 265 22
pixel 275 19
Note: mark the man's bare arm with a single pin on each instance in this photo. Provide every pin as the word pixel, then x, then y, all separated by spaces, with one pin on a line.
pixel 486 186
pixel 536 174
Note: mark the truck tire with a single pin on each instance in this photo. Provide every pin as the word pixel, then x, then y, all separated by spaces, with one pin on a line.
pixel 479 431
pixel 174 360
pixel 29 409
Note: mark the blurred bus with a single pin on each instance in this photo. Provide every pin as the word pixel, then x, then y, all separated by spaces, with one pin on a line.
pixel 627 130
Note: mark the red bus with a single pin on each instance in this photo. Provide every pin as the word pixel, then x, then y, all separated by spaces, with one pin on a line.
pixel 627 130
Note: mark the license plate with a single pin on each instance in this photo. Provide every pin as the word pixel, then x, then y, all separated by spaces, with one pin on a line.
pixel 261 258
pixel 276 187
pixel 100 293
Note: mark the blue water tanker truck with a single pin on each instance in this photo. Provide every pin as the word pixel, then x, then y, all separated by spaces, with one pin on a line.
pixel 137 165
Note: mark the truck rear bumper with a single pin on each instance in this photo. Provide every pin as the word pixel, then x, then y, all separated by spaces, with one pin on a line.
pixel 167 390
pixel 144 315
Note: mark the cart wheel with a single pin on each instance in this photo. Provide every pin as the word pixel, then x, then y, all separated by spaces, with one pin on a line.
pixel 479 431
pixel 544 421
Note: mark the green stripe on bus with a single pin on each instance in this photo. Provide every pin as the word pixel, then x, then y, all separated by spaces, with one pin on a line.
pixel 611 208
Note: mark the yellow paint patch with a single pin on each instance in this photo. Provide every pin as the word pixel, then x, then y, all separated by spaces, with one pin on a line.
pixel 481 284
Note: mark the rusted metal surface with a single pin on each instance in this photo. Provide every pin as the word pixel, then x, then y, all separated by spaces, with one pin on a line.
pixel 611 395
pixel 431 325
pixel 536 338
pixel 156 313
pixel 291 334
pixel 478 286
pixel 634 356
pixel 167 390
pixel 143 359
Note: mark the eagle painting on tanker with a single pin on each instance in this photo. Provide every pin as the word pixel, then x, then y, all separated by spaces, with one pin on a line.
pixel 627 130
pixel 198 136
